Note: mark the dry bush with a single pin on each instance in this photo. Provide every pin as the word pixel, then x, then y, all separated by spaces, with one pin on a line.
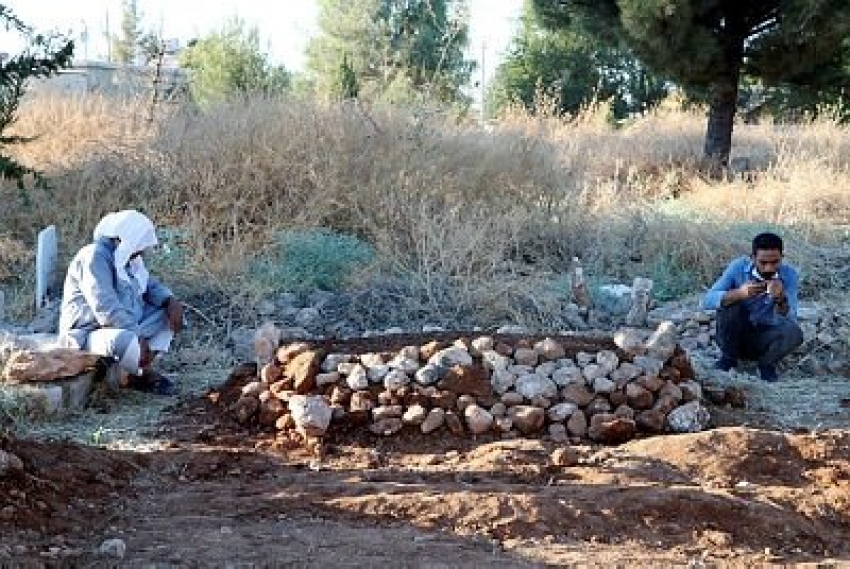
pixel 478 218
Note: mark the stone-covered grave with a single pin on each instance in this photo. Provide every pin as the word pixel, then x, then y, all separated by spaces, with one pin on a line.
pixel 565 388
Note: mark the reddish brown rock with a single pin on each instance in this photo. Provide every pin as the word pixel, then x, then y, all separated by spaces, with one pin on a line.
pixel 665 404
pixel 286 354
pixel 670 374
pixel 617 397
pixel 58 363
pixel 360 406
pixel 638 396
pixel 503 349
pixel 271 373
pixel 671 391
pixel 446 400
pixel 650 382
pixel 467 380
pixel 340 395
pixel 651 420
pixel 245 408
pixel 579 394
pixel 453 423
pixel 577 424
pixel 609 429
pixel 527 419
pixel 564 456
pixel 270 411
pixel 302 370
pixel 682 364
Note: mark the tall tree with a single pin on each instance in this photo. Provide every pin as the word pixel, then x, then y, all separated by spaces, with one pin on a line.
pixel 125 44
pixel 43 56
pixel 707 45
pixel 229 62
pixel 393 46
pixel 572 69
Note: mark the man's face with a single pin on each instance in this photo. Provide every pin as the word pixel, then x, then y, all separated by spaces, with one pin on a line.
pixel 767 262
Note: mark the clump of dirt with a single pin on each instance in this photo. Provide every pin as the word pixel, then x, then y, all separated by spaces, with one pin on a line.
pixel 63 485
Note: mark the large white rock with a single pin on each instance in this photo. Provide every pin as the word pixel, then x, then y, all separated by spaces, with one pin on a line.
pixel 451 356
pixel 568 375
pixel 533 385
pixel 395 379
pixel 502 381
pixel 561 411
pixel 357 378
pixel 662 342
pixel 691 417
pixel 311 413
pixel 493 360
pixel 478 419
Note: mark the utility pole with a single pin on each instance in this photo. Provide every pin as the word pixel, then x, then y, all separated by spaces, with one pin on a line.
pixel 483 80
pixel 84 38
pixel 108 34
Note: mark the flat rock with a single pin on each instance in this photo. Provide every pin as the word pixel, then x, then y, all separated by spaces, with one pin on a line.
pixel 468 380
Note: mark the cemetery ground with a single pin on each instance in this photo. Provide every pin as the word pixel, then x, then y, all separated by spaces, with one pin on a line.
pixel 137 479
pixel 417 218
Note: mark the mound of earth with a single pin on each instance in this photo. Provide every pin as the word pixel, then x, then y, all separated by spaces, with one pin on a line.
pixel 223 492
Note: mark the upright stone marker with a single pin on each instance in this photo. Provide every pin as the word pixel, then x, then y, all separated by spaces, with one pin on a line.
pixel 46 254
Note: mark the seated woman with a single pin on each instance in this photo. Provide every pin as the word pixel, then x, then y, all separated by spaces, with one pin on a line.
pixel 112 306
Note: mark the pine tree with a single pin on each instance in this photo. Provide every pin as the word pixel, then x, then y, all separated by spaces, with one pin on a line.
pixel 393 47
pixel 43 57
pixel 229 62
pixel 707 45
pixel 126 45
pixel 573 70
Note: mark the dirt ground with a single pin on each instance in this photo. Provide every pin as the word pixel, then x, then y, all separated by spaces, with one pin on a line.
pixel 212 493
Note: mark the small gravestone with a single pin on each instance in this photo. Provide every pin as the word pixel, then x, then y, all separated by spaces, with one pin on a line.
pixel 45 266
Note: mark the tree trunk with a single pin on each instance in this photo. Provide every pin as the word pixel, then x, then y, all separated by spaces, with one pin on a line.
pixel 721 117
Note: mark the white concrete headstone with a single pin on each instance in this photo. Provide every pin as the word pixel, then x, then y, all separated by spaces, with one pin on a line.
pixel 46 254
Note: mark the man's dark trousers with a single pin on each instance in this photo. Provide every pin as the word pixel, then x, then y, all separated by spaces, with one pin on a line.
pixel 766 344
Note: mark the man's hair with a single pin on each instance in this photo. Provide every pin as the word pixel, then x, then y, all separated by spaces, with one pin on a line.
pixel 767 242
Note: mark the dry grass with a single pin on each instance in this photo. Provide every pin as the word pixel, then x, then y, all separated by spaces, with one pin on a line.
pixel 492 215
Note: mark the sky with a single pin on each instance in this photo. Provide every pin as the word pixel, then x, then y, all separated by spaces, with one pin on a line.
pixel 285 26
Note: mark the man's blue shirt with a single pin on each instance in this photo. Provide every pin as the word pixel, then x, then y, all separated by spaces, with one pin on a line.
pixel 762 308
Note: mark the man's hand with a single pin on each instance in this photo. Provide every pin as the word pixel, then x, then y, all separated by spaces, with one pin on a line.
pixel 174 311
pixel 775 288
pixel 751 289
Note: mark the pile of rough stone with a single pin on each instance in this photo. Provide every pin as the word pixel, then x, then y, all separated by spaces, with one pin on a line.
pixel 826 333
pixel 483 386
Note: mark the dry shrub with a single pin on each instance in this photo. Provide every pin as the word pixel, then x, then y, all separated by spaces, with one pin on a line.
pixel 490 214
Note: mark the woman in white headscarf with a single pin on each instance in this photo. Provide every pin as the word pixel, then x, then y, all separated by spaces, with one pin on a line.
pixel 113 307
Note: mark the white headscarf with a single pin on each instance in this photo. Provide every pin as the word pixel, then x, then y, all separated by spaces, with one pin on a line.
pixel 136 233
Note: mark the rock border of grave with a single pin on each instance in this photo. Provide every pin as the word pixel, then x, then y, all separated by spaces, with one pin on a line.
pixel 638 385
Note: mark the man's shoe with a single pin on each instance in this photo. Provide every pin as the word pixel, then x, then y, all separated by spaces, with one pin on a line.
pixel 725 363
pixel 153 382
pixel 767 372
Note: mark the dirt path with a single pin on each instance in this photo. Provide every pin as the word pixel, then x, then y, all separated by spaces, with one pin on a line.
pixel 748 495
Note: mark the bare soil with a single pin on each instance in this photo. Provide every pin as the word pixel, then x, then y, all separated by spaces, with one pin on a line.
pixel 214 493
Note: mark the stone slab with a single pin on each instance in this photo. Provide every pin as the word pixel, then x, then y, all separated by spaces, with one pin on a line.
pixel 52 398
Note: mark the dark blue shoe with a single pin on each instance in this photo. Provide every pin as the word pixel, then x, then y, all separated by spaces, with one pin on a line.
pixel 725 363
pixel 767 372
pixel 153 382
